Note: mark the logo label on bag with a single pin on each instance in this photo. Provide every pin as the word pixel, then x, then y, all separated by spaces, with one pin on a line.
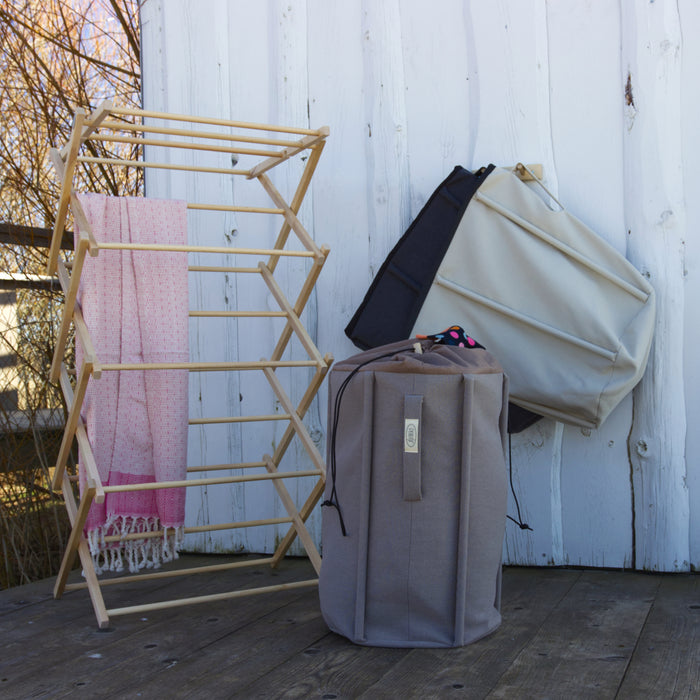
pixel 410 435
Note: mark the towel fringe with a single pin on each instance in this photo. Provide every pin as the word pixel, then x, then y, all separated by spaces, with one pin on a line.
pixel 148 553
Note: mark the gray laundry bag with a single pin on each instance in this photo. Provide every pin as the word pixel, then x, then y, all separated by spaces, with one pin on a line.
pixel 415 500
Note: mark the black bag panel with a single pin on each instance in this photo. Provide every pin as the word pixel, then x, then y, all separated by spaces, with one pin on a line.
pixel 394 299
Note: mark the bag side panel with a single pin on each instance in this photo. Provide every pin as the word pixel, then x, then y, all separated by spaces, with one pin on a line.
pixel 413 544
pixel 342 579
pixel 396 294
pixel 555 324
pixel 486 510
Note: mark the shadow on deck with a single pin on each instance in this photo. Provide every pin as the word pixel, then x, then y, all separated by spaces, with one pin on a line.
pixel 565 634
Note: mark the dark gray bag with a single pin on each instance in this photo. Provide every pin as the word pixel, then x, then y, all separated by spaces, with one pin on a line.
pixel 415 498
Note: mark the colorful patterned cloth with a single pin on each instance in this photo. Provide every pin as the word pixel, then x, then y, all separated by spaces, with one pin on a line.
pixel 454 335
pixel 135 305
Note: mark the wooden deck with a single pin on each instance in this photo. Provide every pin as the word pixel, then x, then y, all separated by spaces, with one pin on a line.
pixel 566 634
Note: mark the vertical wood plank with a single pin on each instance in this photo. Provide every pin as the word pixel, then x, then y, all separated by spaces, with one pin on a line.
pixel 189 59
pixel 655 222
pixel 385 116
pixel 510 122
pixel 288 33
pixel 690 114
pixel 341 205
pixel 435 51
pixel 586 116
pixel 251 89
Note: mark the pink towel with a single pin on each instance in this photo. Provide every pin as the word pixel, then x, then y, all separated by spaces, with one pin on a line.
pixel 135 305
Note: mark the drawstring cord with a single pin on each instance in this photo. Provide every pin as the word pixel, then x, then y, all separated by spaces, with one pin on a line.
pixel 332 501
pixel 519 522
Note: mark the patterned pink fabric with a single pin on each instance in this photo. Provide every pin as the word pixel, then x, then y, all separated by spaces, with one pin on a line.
pixel 135 305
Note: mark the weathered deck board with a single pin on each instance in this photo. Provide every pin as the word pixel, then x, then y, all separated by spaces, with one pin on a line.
pixel 585 645
pixel 666 662
pixel 470 671
pixel 565 633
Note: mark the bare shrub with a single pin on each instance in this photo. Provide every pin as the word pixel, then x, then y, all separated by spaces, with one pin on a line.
pixel 53 56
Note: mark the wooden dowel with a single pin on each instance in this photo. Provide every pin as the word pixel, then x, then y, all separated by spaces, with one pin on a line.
pixel 198 528
pixel 149 607
pixel 528 172
pixel 207 569
pixel 220 268
pixel 210 148
pixel 239 419
pixel 155 485
pixel 207 366
pixel 209 120
pixel 237 314
pixel 233 207
pixel 161 166
pixel 222 467
pixel 215 135
pixel 204 249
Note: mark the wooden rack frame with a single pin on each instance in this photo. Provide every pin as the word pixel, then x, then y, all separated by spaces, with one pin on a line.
pixel 269 146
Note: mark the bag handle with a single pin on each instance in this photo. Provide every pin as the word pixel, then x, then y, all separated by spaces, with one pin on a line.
pixel 522 168
pixel 412 428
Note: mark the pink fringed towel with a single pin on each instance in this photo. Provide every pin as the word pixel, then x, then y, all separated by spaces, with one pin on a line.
pixel 135 304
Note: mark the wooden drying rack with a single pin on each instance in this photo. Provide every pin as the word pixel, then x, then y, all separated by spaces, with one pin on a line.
pixel 267 146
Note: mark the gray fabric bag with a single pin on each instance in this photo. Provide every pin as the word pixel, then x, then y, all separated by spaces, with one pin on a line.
pixel 417 481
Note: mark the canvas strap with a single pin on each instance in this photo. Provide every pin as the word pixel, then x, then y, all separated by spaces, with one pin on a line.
pixel 412 448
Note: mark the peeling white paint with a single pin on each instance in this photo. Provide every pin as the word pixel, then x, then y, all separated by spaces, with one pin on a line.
pixel 598 92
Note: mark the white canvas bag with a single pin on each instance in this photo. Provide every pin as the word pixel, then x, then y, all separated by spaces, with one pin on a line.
pixel 567 316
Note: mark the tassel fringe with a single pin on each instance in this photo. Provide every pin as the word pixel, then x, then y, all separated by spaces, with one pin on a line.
pixel 148 553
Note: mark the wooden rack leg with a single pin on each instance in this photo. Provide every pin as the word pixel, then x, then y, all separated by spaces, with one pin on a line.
pixel 78 545
pixel 298 523
pixel 77 518
pixel 74 402
pixel 295 420
pixel 66 185
pixel 302 408
pixel 304 513
pixel 301 301
pixel 297 200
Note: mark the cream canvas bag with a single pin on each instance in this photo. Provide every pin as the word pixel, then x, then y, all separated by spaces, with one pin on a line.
pixel 567 316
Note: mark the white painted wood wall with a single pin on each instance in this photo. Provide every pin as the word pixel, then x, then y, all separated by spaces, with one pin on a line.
pixel 603 93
